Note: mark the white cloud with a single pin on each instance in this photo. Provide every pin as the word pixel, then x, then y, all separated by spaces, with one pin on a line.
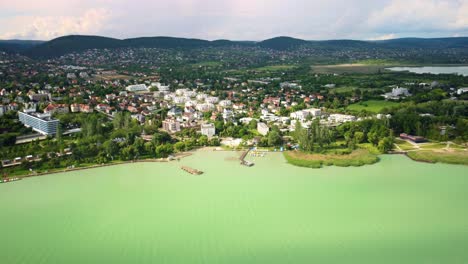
pixel 91 21
pixel 234 19
pixel 384 37
pixel 420 16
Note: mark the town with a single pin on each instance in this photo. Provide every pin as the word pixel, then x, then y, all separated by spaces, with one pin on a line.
pixel 87 109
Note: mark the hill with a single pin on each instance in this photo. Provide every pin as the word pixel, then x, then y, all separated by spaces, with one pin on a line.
pixel 77 43
pixel 282 43
pixel 73 43
pixel 18 46
pixel 433 43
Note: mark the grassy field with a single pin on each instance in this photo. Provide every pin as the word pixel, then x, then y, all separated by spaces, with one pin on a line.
pixel 434 156
pixel 349 68
pixel 274 68
pixel 372 106
pixel 370 66
pixel 404 145
pixel 207 64
pixel 358 157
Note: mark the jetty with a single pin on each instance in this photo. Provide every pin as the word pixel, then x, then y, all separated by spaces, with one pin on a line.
pixel 191 171
pixel 9 180
pixel 245 162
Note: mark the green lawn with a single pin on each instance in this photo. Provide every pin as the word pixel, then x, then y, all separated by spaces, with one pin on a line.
pixel 404 145
pixel 207 64
pixel 275 68
pixel 372 106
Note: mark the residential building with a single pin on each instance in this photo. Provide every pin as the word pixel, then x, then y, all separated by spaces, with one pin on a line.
pixel 137 88
pixel 56 108
pixel 42 123
pixel 262 128
pixel 208 130
pixel 84 108
pixel 462 90
pixel 396 93
pixel 171 125
pixel 303 114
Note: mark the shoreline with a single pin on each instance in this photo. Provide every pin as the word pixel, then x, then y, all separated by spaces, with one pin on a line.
pixel 403 153
pixel 178 156
pixel 182 155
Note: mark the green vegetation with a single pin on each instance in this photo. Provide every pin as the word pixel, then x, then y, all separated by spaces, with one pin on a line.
pixel 274 68
pixel 348 68
pixel 404 145
pixel 372 106
pixel 377 62
pixel 358 157
pixel 362 143
pixel 450 157
pixel 208 64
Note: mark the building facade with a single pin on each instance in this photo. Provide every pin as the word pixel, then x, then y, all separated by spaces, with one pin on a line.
pixel 42 123
pixel 208 130
pixel 137 88
pixel 171 125
pixel 263 129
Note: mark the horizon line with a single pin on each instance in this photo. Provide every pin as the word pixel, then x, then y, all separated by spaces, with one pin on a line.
pixel 194 38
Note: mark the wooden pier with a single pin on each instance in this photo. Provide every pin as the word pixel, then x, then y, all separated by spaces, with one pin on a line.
pixel 191 171
pixel 6 180
pixel 245 162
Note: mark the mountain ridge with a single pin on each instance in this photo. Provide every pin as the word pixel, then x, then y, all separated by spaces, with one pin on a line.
pixel 76 43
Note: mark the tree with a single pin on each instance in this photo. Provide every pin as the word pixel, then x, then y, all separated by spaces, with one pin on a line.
pixel 165 150
pixel 128 153
pixel 111 148
pixel 149 148
pixel 274 138
pixel 179 146
pixel 203 140
pixel 139 145
pixel 385 144
pixel 359 137
pixel 253 124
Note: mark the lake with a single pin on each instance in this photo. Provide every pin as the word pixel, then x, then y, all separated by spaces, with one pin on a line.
pixel 461 70
pixel 396 211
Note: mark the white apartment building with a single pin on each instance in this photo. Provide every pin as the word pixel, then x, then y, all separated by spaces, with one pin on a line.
pixel 137 88
pixel 212 99
pixel 303 114
pixel 262 128
pixel 225 103
pixel 205 107
pixel 462 90
pixel 208 130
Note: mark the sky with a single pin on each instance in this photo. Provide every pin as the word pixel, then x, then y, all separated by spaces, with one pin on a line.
pixel 234 19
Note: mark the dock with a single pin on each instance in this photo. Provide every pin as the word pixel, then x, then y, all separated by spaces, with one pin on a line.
pixel 9 180
pixel 245 162
pixel 191 171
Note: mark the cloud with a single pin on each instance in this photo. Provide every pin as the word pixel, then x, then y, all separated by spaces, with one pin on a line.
pixel 384 37
pixel 420 16
pixel 234 19
pixel 92 21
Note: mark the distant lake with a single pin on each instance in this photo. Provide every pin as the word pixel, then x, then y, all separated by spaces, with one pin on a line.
pixel 462 70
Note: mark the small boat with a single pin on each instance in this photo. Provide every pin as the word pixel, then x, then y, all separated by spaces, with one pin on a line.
pixel 191 171
pixel 247 163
